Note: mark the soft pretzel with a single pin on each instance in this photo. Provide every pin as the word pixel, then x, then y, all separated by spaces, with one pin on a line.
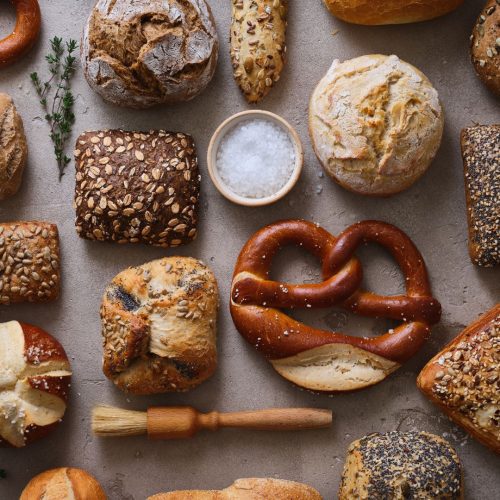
pixel 318 359
pixel 25 34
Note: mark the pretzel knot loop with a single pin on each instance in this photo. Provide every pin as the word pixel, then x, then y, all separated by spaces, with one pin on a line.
pixel 322 360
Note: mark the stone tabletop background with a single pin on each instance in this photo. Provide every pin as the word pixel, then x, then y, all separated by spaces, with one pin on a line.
pixel 432 212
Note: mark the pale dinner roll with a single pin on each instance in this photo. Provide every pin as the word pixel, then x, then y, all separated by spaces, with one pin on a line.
pixel 63 484
pixel 375 123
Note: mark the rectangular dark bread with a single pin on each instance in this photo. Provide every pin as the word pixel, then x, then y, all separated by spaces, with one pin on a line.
pixel 481 155
pixel 464 379
pixel 136 187
pixel 29 262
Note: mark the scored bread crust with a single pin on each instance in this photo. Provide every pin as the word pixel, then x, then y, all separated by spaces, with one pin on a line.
pixel 463 379
pixel 376 12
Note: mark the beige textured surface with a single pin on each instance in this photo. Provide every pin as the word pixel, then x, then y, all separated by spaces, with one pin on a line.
pixel 432 212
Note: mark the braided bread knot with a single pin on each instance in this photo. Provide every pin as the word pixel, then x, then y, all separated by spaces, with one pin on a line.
pixel 322 360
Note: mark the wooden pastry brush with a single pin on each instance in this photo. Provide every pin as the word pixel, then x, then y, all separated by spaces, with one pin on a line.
pixel 179 422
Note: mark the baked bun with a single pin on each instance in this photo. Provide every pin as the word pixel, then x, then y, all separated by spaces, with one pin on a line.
pixel 399 465
pixel 485 46
pixel 390 11
pixel 375 123
pixel 159 326
pixel 63 484
pixel 464 379
pixel 34 383
pixel 138 53
pixel 248 489
pixel 13 148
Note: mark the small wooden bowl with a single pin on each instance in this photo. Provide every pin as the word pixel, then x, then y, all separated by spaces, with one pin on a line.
pixel 228 125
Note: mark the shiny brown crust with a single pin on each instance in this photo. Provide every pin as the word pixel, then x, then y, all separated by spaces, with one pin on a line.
pixel 256 302
pixel 25 34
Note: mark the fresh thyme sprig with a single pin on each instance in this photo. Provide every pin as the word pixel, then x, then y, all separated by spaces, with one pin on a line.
pixel 59 114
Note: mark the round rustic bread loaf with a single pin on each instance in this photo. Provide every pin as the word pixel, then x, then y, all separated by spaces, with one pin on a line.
pixel 138 53
pixel 376 124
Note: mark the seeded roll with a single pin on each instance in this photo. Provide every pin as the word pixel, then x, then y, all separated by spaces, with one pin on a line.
pixel 399 465
pixel 464 379
pixel 481 156
pixel 134 187
pixel 29 262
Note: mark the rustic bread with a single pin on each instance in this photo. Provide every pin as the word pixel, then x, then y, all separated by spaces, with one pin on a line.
pixel 63 484
pixel 400 465
pixel 375 123
pixel 258 48
pixel 138 53
pixel 29 262
pixel 248 489
pixel 159 326
pixel 13 148
pixel 464 379
pixel 485 46
pixel 34 383
pixel 136 187
pixel 481 155
pixel 390 11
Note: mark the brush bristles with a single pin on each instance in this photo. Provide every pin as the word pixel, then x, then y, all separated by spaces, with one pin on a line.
pixel 109 422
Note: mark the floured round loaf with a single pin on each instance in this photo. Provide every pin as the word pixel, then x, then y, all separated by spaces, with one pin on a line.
pixel 139 53
pixel 159 326
pixel 376 124
pixel 34 382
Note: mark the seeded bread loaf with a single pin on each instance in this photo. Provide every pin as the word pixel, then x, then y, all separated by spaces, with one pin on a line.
pixel 464 379
pixel 34 383
pixel 258 30
pixel 159 326
pixel 136 187
pixel 13 148
pixel 481 156
pixel 485 46
pixel 401 465
pixel 138 53
pixel 29 262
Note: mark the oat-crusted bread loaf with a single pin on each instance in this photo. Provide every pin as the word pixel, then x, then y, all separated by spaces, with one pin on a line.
pixel 481 156
pixel 375 123
pixel 248 489
pixel 135 187
pixel 485 46
pixel 29 262
pixel 13 148
pixel 401 465
pixel 34 383
pixel 390 11
pixel 464 379
pixel 138 53
pixel 159 326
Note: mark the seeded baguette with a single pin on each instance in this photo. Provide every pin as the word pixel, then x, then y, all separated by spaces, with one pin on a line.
pixel 29 262
pixel 134 187
pixel 258 49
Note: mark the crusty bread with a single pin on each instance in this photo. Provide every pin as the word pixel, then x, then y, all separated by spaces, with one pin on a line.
pixel 13 148
pixel 464 379
pixel 485 46
pixel 400 465
pixel 258 48
pixel 29 262
pixel 138 53
pixel 34 383
pixel 248 489
pixel 375 123
pixel 135 187
pixel 63 484
pixel 159 326
pixel 390 11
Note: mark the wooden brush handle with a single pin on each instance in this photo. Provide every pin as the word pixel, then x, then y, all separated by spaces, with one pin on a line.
pixel 183 422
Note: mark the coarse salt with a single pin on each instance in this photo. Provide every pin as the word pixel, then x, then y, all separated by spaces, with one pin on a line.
pixel 256 158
